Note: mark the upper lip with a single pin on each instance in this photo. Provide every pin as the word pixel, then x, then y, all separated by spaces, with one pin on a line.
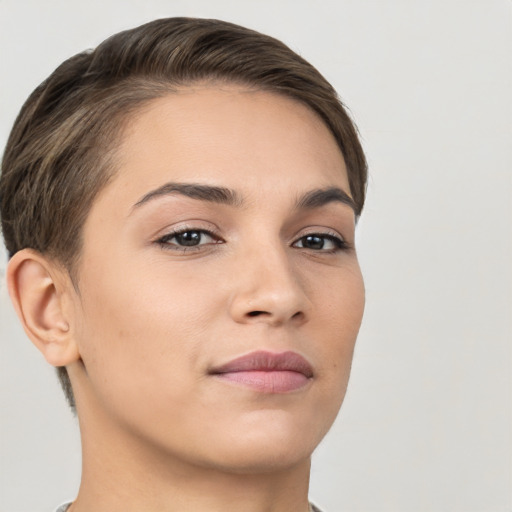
pixel 262 360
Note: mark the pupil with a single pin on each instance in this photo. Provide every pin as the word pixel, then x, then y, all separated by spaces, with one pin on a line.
pixel 314 242
pixel 189 238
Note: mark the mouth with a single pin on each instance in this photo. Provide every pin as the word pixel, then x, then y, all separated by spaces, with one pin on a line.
pixel 267 372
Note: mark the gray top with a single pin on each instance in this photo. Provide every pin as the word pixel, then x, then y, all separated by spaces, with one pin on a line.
pixel 65 506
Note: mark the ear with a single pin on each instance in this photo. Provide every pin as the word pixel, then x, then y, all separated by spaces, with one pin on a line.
pixel 40 292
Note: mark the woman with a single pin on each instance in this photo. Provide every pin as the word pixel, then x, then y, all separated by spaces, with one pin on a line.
pixel 179 207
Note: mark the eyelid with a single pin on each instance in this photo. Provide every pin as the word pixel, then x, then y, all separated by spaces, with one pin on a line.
pixel 187 225
pixel 320 231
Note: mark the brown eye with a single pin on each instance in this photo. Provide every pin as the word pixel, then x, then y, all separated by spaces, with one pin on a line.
pixel 313 242
pixel 187 238
pixel 319 242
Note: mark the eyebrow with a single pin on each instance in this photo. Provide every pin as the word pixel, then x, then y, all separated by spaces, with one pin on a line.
pixel 210 193
pixel 221 195
pixel 321 197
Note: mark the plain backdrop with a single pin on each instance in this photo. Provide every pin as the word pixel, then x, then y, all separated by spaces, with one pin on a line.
pixel 427 422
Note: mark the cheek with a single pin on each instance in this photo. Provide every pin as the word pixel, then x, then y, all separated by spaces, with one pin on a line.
pixel 140 346
pixel 142 324
pixel 340 307
pixel 340 299
pixel 337 317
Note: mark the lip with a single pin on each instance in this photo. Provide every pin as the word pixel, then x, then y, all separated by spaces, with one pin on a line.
pixel 266 372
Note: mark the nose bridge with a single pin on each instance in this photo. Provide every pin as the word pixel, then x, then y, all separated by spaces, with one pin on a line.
pixel 268 287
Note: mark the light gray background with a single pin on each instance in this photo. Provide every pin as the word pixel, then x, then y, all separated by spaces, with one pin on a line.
pixel 427 422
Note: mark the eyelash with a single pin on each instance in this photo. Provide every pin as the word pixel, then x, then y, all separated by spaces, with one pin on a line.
pixel 164 241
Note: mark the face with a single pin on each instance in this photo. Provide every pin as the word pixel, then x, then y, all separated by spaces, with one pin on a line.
pixel 220 293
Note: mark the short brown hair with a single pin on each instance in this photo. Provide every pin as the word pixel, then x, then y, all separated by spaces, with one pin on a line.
pixel 61 150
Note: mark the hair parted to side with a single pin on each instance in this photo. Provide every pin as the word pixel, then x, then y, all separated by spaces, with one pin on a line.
pixel 61 150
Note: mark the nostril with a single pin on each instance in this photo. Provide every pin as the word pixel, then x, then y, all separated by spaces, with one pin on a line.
pixel 256 313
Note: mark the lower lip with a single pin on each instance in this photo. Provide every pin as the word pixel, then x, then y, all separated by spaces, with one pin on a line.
pixel 276 381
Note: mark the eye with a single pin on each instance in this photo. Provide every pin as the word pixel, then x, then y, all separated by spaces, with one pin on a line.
pixel 321 242
pixel 187 238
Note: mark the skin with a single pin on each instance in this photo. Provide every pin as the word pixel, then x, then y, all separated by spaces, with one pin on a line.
pixel 151 318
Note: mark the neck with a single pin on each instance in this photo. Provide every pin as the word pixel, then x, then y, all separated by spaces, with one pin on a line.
pixel 120 472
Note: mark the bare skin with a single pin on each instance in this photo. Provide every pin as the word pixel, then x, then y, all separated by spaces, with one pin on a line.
pixel 173 285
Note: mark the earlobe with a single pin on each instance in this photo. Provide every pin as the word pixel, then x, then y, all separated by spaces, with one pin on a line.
pixel 38 293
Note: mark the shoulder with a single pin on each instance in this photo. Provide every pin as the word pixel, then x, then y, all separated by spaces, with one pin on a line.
pixel 65 506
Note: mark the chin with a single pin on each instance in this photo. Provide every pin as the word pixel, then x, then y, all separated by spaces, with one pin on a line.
pixel 263 459
pixel 269 442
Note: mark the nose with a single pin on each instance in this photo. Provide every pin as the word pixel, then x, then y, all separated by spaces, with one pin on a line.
pixel 268 289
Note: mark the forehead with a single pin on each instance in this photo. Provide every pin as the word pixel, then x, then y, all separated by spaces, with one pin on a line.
pixel 226 135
